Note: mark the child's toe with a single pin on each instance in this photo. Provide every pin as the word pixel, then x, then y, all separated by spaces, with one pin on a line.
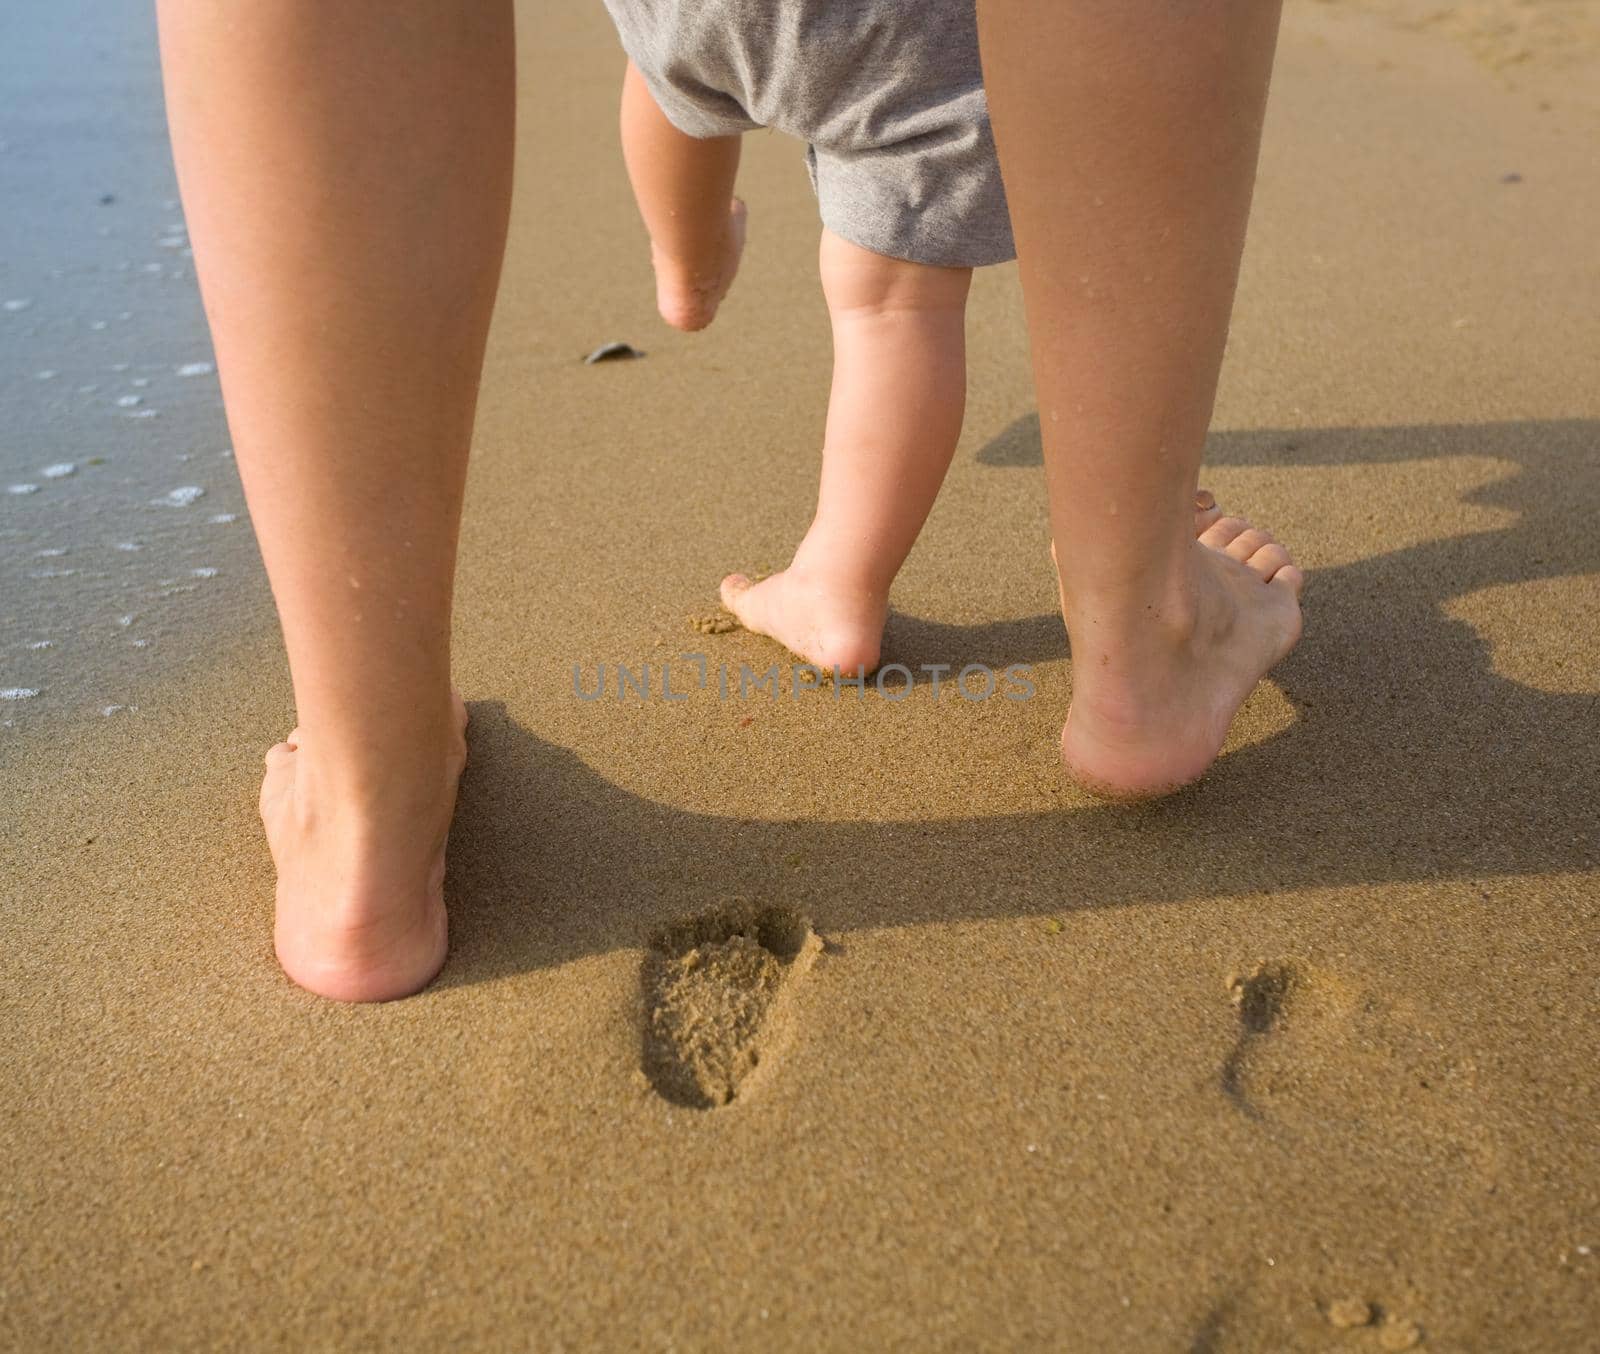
pixel 734 586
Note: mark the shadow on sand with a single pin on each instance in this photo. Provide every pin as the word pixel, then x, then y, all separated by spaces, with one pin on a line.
pixel 1410 760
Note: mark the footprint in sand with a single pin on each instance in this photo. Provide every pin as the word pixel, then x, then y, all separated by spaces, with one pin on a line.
pixel 1259 997
pixel 1322 1057
pixel 716 990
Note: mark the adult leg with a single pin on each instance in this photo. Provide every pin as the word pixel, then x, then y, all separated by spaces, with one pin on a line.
pixel 894 417
pixel 1128 140
pixel 346 172
pixel 684 187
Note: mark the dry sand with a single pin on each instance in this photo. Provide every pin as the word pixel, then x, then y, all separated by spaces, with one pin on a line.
pixel 1286 1063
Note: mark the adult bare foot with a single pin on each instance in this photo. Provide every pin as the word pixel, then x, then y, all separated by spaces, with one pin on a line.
pixel 1152 701
pixel 360 899
pixel 689 290
pixel 823 623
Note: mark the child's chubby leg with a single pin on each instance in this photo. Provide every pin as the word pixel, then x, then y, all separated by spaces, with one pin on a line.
pixel 894 417
pixel 899 391
pixel 684 188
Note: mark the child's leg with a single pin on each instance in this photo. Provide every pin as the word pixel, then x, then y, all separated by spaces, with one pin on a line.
pixel 899 388
pixel 684 188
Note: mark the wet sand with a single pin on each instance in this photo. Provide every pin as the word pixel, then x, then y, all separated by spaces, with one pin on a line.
pixel 123 538
pixel 1028 1072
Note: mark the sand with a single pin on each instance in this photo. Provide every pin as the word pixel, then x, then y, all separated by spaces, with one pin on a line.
pixel 1029 1072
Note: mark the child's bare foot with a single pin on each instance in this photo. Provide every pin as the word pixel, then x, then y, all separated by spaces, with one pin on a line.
pixel 1151 706
pixel 826 625
pixel 360 902
pixel 688 291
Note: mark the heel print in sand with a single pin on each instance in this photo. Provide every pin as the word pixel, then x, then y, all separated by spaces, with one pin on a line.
pixel 716 991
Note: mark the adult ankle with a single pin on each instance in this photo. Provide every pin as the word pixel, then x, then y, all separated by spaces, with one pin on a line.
pixel 1135 617
pixel 381 772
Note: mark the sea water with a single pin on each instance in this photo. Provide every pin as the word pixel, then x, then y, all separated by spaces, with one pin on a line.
pixel 124 547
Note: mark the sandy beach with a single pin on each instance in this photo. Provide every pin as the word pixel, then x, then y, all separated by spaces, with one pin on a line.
pixel 1300 1059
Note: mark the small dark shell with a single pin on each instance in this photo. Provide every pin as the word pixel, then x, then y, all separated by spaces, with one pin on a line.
pixel 613 352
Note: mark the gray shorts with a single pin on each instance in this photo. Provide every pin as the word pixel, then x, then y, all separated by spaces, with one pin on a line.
pixel 888 95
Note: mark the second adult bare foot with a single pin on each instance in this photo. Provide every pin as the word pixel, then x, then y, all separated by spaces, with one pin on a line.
pixel 689 290
pixel 1153 699
pixel 360 900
